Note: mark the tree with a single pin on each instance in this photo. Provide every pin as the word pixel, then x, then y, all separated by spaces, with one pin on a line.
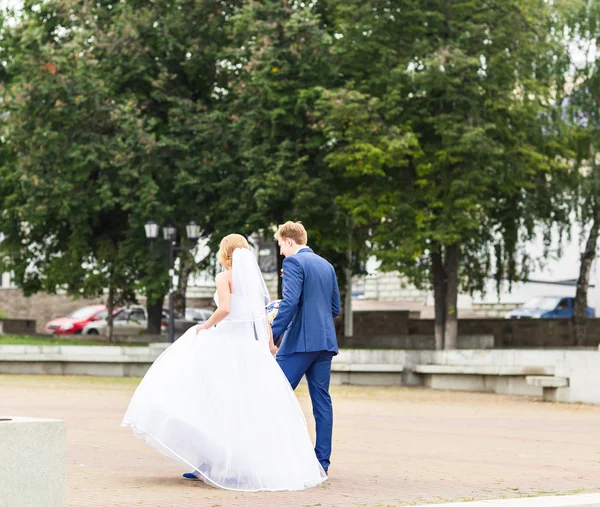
pixel 279 66
pixel 174 140
pixel 113 118
pixel 582 110
pixel 465 91
pixel 62 217
pixel 363 152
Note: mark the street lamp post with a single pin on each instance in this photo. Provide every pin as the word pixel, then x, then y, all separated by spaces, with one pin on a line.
pixel 170 236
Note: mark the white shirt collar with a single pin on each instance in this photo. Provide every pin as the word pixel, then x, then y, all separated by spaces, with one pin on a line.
pixel 304 247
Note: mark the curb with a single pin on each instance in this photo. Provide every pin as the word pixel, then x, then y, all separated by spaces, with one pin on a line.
pixel 589 500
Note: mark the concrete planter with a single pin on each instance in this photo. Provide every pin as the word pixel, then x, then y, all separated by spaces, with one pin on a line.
pixel 32 462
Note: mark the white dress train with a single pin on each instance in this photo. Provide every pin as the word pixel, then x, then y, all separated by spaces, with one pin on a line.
pixel 219 403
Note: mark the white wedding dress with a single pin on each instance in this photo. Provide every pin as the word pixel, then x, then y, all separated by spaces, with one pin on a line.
pixel 218 402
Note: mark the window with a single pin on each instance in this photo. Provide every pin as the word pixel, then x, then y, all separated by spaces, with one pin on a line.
pixel 121 315
pixel 137 314
pixel 542 303
pixel 563 305
pixel 83 313
pixel 102 315
pixel 165 315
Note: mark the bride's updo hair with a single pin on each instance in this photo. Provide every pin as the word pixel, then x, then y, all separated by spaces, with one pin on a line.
pixel 227 246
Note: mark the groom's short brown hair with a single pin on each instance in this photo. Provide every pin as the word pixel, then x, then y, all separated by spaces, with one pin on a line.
pixel 294 231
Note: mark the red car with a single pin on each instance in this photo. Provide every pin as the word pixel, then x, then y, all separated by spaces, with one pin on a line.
pixel 74 322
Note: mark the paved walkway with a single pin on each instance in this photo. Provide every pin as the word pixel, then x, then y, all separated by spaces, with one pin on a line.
pixel 392 447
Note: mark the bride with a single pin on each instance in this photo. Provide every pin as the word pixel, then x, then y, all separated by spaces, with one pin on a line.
pixel 217 401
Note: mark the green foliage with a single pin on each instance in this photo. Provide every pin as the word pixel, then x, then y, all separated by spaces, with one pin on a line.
pixel 445 118
pixel 278 68
pixel 112 118
pixel 58 340
pixel 401 129
pixel 582 109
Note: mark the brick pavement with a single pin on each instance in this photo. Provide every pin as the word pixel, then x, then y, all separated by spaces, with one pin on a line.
pixel 392 447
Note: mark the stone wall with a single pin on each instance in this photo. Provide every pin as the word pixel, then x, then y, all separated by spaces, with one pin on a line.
pixel 206 292
pixel 375 329
pixel 507 333
pixel 40 307
pixel 44 307
pixel 497 310
pixel 391 287
pixel 191 302
pixel 17 326
pixel 381 323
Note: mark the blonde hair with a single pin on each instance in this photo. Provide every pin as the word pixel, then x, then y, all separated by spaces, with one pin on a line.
pixel 294 231
pixel 227 246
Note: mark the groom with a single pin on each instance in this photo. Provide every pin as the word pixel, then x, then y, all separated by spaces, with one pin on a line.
pixel 311 300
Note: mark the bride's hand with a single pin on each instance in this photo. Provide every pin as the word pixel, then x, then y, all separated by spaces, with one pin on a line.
pixel 200 327
pixel 273 349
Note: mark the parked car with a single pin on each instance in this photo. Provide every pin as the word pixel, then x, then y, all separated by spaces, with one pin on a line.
pixel 547 307
pixel 134 320
pixel 199 315
pixel 76 321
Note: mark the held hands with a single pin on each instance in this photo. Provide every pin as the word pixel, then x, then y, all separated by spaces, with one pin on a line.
pixel 273 348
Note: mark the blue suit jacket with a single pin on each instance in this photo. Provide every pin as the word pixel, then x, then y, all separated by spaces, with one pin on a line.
pixel 311 300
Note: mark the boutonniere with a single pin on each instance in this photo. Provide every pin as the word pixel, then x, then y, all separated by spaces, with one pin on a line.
pixel 281 273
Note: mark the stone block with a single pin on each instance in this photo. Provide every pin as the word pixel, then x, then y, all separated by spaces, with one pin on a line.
pixel 547 381
pixel 17 326
pixel 32 462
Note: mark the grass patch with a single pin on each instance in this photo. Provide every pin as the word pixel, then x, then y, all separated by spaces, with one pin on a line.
pixel 66 381
pixel 9 339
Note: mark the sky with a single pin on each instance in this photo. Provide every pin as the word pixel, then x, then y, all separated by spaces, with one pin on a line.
pixel 10 3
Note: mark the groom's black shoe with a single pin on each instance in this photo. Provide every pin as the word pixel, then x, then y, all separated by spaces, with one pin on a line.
pixel 191 475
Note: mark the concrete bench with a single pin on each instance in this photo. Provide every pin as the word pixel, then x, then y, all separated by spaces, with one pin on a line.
pixel 103 361
pixel 549 385
pixel 32 462
pixel 503 379
pixel 481 369
pixel 372 374
pixel 378 368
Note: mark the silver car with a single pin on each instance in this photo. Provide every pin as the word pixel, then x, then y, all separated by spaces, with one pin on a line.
pixel 134 320
pixel 198 315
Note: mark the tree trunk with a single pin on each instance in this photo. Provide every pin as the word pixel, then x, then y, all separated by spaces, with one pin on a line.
pixel 186 266
pixel 580 302
pixel 348 317
pixel 439 296
pixel 348 314
pixel 110 306
pixel 154 316
pixel 451 329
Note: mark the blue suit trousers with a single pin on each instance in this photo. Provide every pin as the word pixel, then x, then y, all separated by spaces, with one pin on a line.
pixel 317 368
